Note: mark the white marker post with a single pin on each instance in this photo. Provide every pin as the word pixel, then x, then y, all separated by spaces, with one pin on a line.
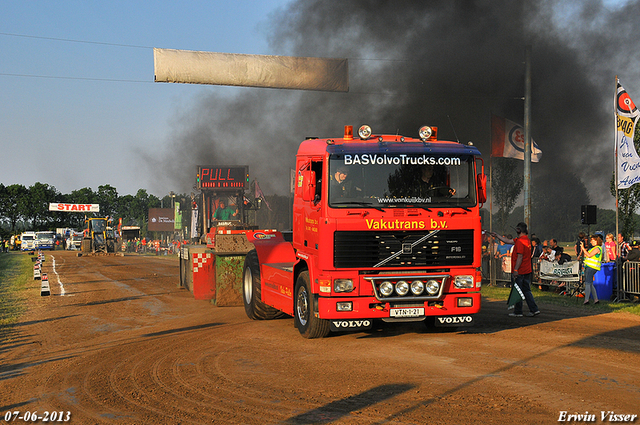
pixel 45 290
pixel 36 271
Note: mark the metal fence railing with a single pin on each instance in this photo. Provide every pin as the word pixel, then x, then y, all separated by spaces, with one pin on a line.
pixel 629 284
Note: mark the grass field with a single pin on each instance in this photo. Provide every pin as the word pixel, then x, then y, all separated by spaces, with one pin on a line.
pixel 16 271
pixel 496 293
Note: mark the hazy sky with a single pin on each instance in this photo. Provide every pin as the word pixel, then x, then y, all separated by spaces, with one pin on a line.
pixel 80 109
pixel 72 112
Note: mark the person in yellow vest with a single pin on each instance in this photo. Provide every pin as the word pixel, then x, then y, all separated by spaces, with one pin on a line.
pixel 592 263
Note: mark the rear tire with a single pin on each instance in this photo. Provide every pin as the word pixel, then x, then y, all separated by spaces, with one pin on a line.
pixel 86 245
pixel 304 311
pixel 252 291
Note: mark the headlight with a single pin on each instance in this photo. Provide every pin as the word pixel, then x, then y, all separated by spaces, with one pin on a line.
pixel 343 285
pixel 386 288
pixel 364 132
pixel 402 288
pixel 425 132
pixel 344 306
pixel 433 286
pixel 463 281
pixel 465 302
pixel 417 287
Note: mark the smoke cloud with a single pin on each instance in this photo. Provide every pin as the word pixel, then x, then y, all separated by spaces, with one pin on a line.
pixel 439 62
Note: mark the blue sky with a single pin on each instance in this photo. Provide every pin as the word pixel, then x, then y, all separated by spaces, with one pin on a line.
pixel 79 104
pixel 72 111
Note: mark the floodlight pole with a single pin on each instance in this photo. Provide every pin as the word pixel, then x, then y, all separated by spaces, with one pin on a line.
pixel 527 137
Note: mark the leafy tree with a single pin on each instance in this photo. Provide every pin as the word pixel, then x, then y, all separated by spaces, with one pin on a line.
pixel 12 199
pixel 79 196
pixel 107 197
pixel 139 208
pixel 506 186
pixel 35 205
pixel 125 211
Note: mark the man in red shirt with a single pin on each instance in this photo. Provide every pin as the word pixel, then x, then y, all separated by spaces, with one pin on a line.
pixel 521 269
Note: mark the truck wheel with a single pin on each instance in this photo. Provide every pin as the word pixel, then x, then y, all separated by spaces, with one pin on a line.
pixel 252 291
pixel 86 245
pixel 304 312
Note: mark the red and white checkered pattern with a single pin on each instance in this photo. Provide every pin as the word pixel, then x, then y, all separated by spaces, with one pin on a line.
pixel 199 260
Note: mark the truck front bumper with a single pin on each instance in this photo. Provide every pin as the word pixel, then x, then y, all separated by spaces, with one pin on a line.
pixel 450 304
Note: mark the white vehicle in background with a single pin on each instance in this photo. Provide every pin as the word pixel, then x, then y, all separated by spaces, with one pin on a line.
pixel 46 240
pixel 28 241
pixel 74 241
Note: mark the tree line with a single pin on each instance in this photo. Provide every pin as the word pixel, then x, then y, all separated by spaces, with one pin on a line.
pixel 27 208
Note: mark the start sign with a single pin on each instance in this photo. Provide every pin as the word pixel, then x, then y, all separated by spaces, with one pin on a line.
pixel 74 207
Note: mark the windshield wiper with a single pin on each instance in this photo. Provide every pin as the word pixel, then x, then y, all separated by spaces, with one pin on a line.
pixel 367 204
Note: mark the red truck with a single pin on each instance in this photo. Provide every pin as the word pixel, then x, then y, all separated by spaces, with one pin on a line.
pixel 384 227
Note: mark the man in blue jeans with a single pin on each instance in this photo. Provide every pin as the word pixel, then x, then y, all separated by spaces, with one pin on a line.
pixel 521 269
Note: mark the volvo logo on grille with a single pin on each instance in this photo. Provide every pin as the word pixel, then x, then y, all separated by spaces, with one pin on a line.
pixel 406 248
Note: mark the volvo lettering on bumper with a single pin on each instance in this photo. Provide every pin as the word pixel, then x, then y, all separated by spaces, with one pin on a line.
pixel 454 321
pixel 351 325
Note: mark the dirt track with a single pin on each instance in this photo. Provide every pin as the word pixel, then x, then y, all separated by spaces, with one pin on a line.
pixel 125 345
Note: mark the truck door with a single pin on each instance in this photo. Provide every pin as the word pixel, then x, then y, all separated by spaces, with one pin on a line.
pixel 307 206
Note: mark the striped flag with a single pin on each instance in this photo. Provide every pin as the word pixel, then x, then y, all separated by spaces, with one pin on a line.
pixel 507 140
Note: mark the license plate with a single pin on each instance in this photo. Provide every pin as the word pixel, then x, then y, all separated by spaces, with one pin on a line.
pixel 407 312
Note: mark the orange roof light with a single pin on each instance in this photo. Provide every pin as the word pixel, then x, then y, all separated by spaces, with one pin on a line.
pixel 348 132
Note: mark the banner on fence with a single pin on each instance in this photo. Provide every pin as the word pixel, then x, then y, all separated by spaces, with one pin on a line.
pixel 567 272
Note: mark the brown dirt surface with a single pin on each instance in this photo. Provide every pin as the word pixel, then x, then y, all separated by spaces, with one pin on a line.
pixel 126 345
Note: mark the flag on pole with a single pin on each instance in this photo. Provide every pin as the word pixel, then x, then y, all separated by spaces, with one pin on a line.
pixel 627 115
pixel 259 194
pixel 515 296
pixel 507 140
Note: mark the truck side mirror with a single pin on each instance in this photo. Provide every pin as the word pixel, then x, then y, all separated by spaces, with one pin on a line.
pixel 482 188
pixel 308 185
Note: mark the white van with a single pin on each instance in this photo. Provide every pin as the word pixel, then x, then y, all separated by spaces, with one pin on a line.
pixel 28 241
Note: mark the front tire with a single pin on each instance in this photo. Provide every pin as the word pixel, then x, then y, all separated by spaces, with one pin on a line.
pixel 252 291
pixel 304 312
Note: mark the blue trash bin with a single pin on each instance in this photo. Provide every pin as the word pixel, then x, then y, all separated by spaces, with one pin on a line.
pixel 604 280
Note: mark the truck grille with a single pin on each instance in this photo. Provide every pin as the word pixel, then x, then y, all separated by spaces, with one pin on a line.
pixel 368 248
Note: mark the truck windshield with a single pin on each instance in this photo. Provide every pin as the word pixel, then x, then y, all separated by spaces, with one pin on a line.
pixel 45 235
pixel 99 225
pixel 399 180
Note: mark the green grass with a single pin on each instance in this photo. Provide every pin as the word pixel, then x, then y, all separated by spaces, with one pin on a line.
pixel 15 273
pixel 497 293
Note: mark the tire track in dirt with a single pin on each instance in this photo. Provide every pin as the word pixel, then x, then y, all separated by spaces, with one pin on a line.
pixel 129 347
